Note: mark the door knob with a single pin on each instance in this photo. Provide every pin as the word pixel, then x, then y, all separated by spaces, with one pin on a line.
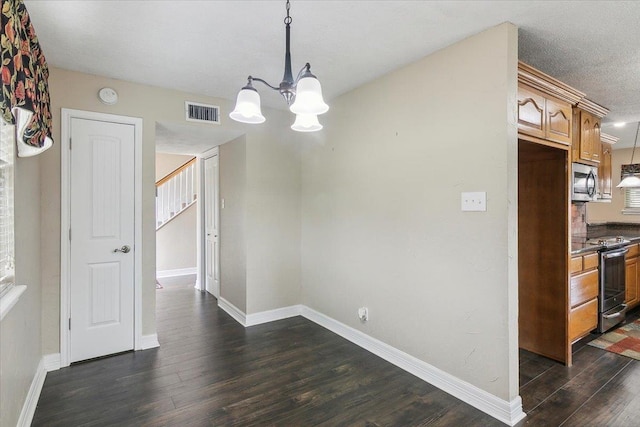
pixel 125 249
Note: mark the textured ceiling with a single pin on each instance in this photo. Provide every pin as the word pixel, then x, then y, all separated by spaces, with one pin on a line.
pixel 210 47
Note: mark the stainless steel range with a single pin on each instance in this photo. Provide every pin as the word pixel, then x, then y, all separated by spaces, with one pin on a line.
pixel 611 304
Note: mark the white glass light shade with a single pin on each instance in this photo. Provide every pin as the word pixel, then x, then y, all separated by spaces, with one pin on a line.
pixel 306 123
pixel 247 107
pixel 309 97
pixel 629 181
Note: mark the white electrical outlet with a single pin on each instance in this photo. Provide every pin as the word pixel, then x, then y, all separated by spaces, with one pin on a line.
pixel 363 314
pixel 474 202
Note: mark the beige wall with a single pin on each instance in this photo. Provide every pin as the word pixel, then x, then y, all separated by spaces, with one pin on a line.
pixel 273 217
pixel 233 246
pixel 167 163
pixel 382 225
pixel 260 223
pixel 20 345
pixel 176 241
pixel 612 212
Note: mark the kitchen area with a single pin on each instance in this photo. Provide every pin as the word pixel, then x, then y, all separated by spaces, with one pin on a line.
pixel 579 243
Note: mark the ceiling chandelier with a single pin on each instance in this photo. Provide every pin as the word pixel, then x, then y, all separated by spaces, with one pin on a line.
pixel 303 95
pixel 631 180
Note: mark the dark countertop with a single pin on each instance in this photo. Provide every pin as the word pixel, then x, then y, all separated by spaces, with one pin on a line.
pixel 579 247
pixel 629 231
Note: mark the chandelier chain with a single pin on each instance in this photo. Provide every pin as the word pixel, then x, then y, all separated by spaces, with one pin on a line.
pixel 288 18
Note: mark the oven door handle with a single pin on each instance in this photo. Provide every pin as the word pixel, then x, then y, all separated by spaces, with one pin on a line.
pixel 618 314
pixel 615 254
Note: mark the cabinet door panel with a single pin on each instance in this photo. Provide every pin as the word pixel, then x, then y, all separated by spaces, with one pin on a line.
pixel 558 121
pixel 595 140
pixel 604 173
pixel 530 112
pixel 586 127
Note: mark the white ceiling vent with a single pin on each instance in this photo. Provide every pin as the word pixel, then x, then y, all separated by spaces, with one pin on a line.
pixel 203 113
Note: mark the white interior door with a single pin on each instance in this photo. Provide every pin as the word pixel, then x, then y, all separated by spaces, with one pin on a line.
pixel 102 219
pixel 211 215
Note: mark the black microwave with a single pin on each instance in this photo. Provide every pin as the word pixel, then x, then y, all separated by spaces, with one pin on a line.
pixel 584 182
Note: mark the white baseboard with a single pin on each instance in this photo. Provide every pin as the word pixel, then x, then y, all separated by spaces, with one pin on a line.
pixel 51 362
pixel 273 315
pixel 232 311
pixel 31 401
pixel 509 413
pixel 149 341
pixel 176 273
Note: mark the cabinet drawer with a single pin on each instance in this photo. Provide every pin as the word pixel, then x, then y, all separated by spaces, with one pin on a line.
pixel 584 287
pixel 583 319
pixel 633 251
pixel 576 265
pixel 590 261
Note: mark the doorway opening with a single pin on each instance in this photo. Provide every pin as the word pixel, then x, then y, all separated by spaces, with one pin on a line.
pixel 176 219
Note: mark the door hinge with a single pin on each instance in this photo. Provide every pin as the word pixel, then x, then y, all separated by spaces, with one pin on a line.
pixel 69 234
pixel 69 323
pixel 69 143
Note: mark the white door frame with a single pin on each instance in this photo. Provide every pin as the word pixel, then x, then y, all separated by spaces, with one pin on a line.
pixel 65 209
pixel 202 234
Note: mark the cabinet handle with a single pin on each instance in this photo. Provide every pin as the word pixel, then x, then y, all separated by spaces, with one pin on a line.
pixel 591 190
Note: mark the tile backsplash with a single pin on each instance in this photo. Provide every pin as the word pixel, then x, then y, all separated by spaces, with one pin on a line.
pixel 578 219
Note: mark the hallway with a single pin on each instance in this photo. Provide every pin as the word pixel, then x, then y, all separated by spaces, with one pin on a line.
pixel 209 370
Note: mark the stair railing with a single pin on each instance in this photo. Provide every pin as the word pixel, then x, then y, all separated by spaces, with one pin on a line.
pixel 175 193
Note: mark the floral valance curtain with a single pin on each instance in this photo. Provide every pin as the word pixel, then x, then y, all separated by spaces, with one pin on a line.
pixel 25 91
pixel 630 169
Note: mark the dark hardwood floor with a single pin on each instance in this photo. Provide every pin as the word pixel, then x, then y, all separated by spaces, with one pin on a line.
pixel 600 389
pixel 210 371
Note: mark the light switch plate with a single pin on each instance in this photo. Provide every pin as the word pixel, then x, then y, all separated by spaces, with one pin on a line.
pixel 474 202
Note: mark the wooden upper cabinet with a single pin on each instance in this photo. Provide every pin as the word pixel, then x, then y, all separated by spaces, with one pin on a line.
pixel 559 114
pixel 605 188
pixel 589 149
pixel 542 116
pixel 531 112
pixel 586 139
pixel 545 108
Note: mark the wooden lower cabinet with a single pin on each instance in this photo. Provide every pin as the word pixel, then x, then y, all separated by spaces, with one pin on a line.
pixel 583 296
pixel 633 277
pixel 583 319
pixel 584 287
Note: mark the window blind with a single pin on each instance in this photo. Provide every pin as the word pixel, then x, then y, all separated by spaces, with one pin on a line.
pixel 632 198
pixel 7 239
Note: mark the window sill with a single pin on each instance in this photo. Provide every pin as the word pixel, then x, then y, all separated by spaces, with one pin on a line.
pixel 10 299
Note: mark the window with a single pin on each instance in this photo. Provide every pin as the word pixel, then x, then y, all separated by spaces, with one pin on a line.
pixel 631 201
pixel 7 248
